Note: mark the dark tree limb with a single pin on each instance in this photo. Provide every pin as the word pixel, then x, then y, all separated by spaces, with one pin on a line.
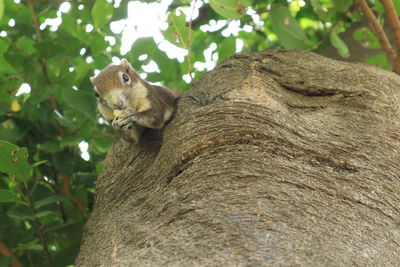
pixel 394 23
pixel 7 252
pixel 380 33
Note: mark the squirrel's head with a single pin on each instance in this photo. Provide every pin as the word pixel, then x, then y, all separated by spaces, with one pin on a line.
pixel 111 83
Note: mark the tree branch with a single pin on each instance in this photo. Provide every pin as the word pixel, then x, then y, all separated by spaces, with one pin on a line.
pixel 42 237
pixel 394 23
pixel 16 47
pixel 189 40
pixel 35 20
pixel 65 190
pixel 61 1
pixel 6 252
pixel 379 32
pixel 42 62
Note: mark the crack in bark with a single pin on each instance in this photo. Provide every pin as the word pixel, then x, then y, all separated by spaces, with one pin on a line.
pixel 318 92
pixel 274 58
pixel 337 166
pixel 311 108
pixel 268 70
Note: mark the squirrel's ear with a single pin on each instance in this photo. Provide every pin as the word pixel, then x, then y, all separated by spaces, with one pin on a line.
pixel 92 79
pixel 125 64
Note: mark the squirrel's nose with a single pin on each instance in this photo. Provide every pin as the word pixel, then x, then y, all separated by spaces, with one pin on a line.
pixel 122 102
pixel 120 105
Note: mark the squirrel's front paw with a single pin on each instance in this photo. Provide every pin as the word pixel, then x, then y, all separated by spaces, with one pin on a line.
pixel 121 122
pixel 124 121
pixel 126 126
pixel 130 131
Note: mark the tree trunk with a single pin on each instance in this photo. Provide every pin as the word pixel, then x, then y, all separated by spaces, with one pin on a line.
pixel 276 158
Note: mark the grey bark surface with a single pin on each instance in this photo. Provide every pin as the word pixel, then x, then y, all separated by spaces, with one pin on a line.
pixel 275 158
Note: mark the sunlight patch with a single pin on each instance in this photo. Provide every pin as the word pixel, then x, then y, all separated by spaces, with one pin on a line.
pixel 84 146
pixel 25 88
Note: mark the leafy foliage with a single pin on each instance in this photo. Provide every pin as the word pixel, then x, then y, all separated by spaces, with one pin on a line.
pixel 46 187
pixel 230 9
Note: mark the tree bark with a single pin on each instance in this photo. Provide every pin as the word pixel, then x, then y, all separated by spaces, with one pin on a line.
pixel 276 158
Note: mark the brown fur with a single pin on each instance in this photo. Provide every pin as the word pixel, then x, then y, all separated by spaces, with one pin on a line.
pixel 108 78
pixel 143 104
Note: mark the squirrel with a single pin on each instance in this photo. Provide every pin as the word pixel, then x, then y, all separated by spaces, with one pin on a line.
pixel 130 103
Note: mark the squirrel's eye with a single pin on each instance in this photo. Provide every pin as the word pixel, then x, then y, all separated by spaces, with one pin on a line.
pixel 96 94
pixel 125 78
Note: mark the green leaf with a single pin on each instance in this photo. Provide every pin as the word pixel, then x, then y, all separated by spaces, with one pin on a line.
pixel 5 260
pixel 5 67
pixel 121 12
pixel 379 60
pixel 45 213
pixel 230 9
pixel 379 7
pixel 289 33
pixel 343 5
pixel 316 4
pixel 50 200
pixel 339 44
pixel 26 44
pixel 3 46
pixel 9 131
pixel 102 12
pixel 31 245
pixel 183 2
pixel 1 9
pixel 64 162
pixel 81 101
pixel 226 48
pixel 142 46
pixel 19 12
pixel 68 25
pixel 168 67
pixel 21 213
pixel 177 31
pixel 98 45
pixel 13 160
pixel 70 140
pixel 87 179
pixel 101 144
pixel 101 62
pixel 81 68
pixel 366 38
pixel 49 146
pixel 61 226
pixel 324 13
pixel 38 163
pixel 46 49
pixel 8 196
